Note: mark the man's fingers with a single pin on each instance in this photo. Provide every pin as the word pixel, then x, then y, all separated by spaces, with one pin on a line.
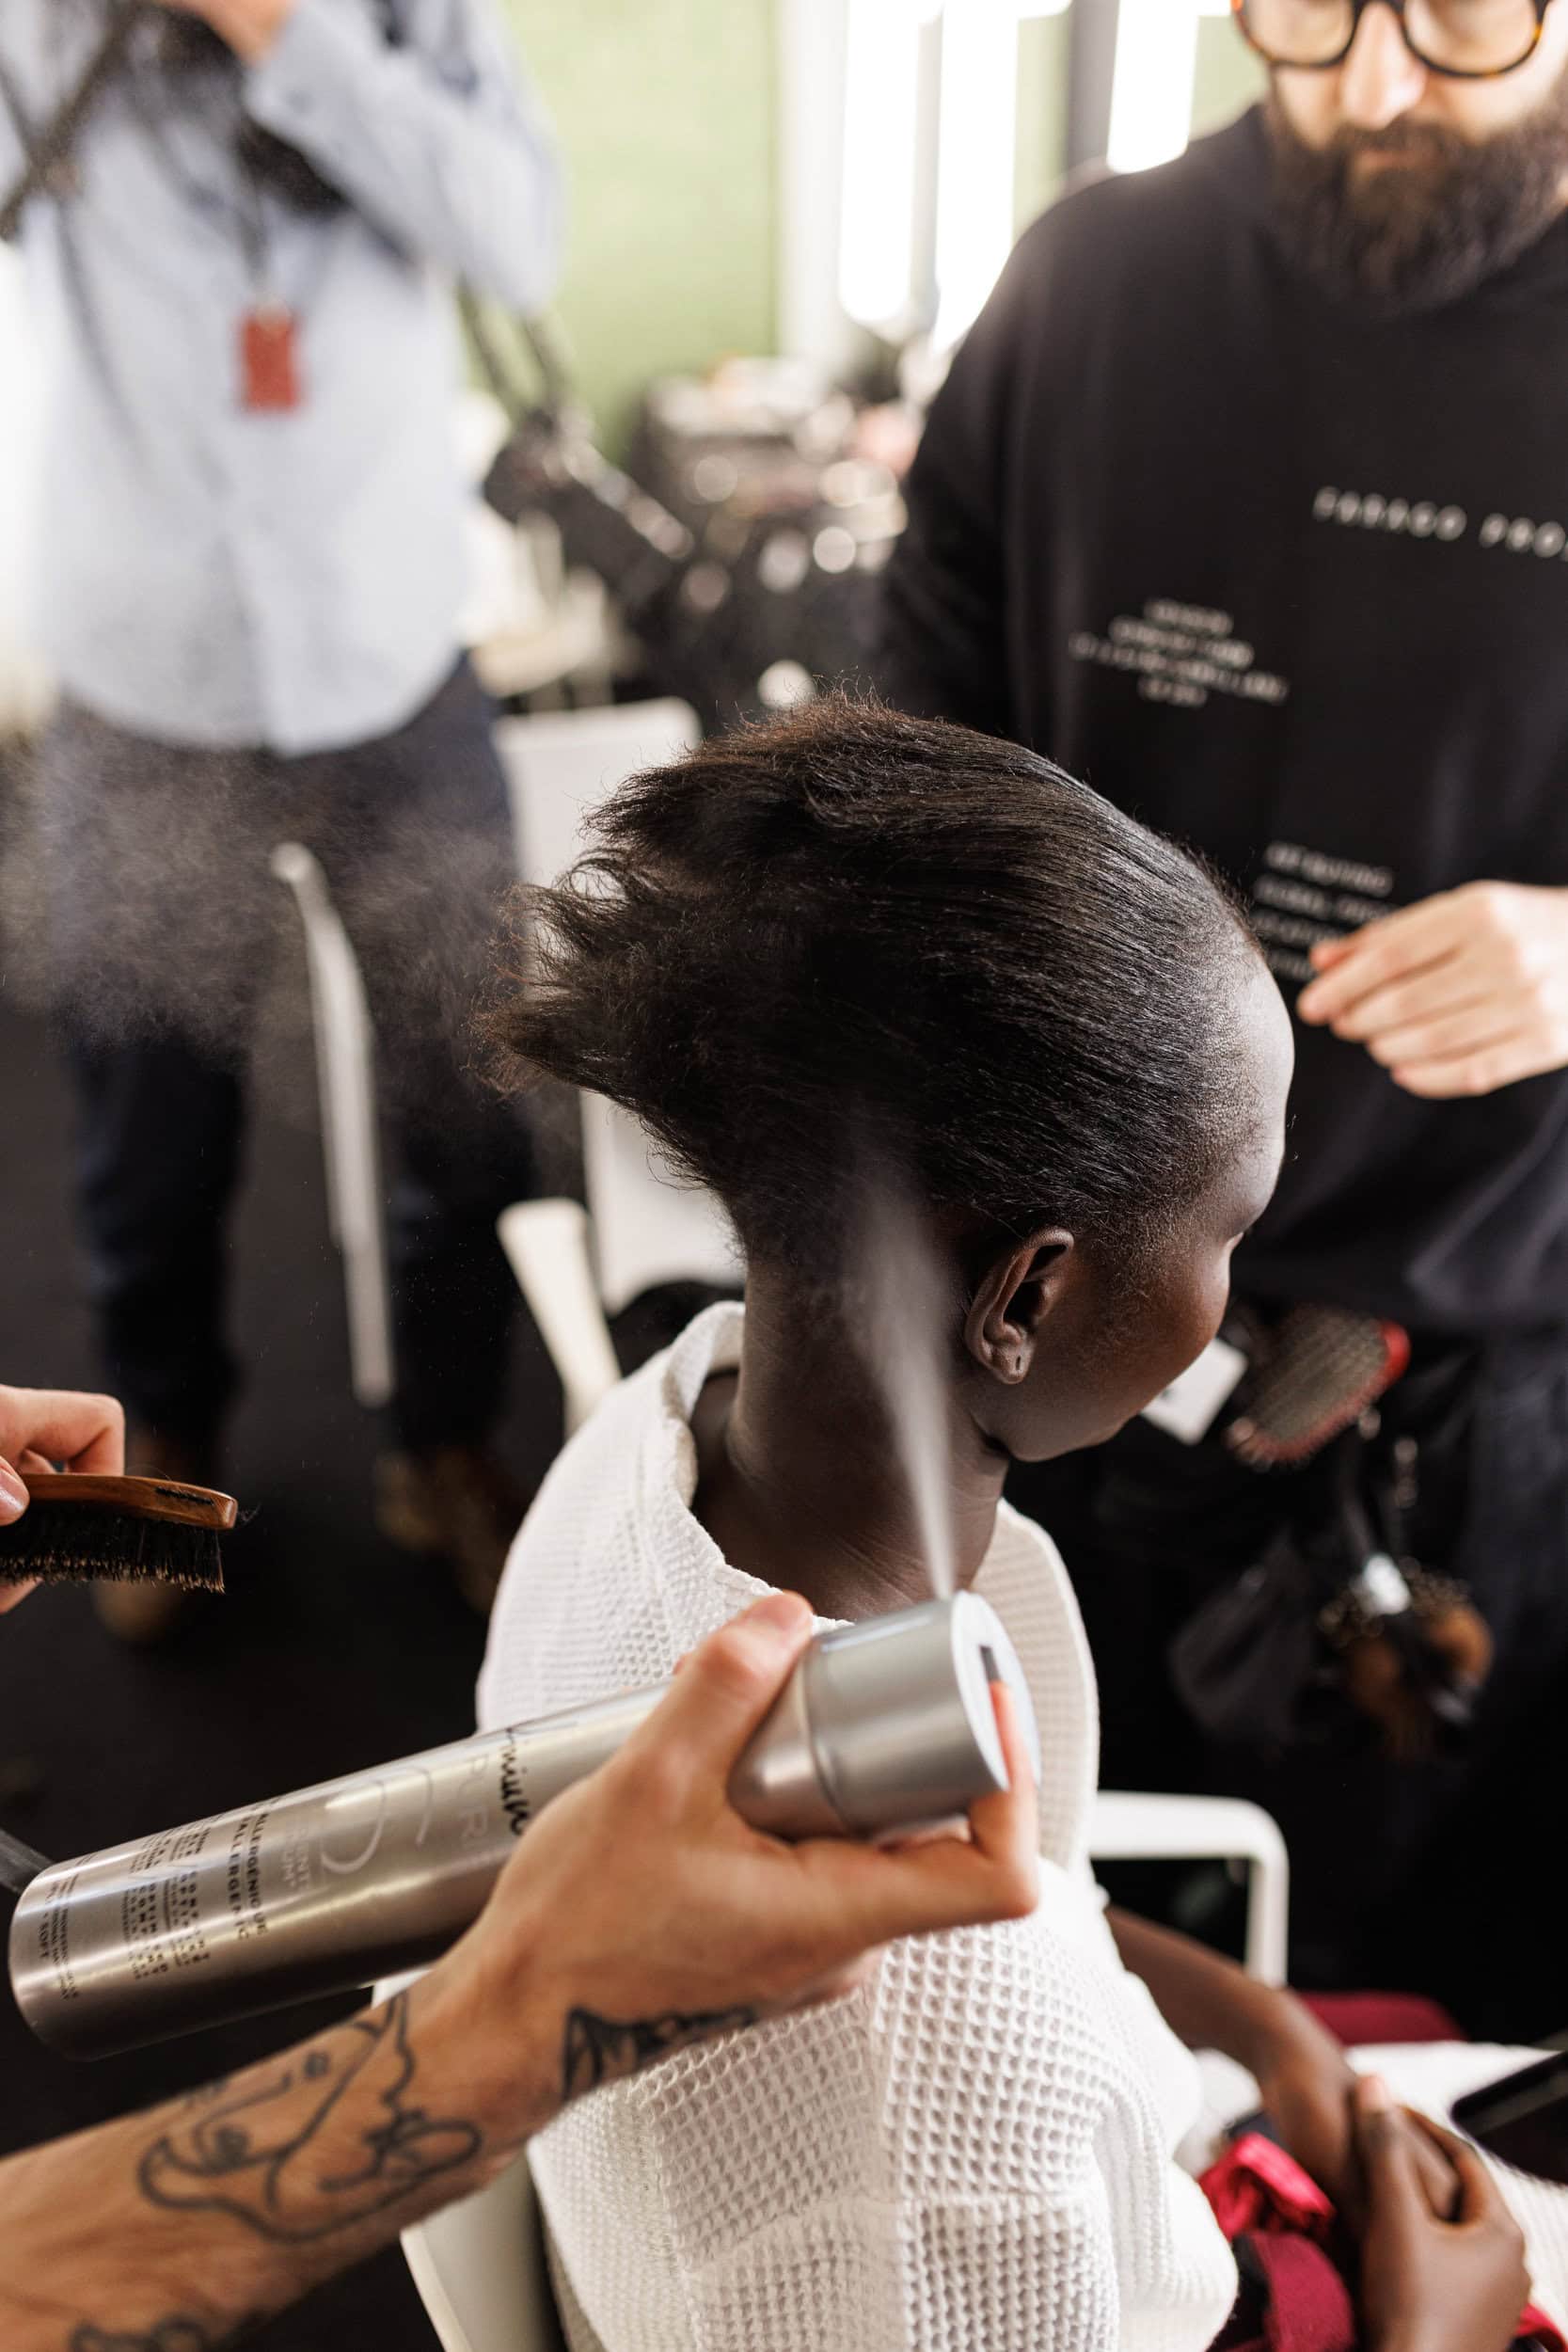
pixel 86 1432
pixel 1523 1055
pixel 1442 1034
pixel 940 1883
pixel 1006 1827
pixel 1381 953
pixel 724 1689
pixel 1439 991
pixel 13 1495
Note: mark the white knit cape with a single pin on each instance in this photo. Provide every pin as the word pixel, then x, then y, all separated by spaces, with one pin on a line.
pixel 974 2153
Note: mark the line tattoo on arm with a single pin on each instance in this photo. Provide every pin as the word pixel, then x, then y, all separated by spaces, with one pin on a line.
pixel 329 2141
pixel 175 2334
pixel 597 2050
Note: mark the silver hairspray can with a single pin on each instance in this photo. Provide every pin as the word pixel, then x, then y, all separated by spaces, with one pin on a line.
pixel 884 1726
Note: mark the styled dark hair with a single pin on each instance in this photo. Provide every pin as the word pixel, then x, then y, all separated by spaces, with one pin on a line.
pixel 851 924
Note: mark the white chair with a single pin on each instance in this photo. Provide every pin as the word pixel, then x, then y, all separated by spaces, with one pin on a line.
pixel 1137 1828
pixel 481 2272
pixel 345 1075
pixel 640 1228
pixel 26 691
pixel 643 1230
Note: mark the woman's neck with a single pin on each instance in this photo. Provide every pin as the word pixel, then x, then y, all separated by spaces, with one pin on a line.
pixel 798 1478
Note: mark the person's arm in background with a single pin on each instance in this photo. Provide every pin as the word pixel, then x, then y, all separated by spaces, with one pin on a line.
pixel 1440 2257
pixel 942 648
pixel 640 1914
pixel 1305 2083
pixel 434 139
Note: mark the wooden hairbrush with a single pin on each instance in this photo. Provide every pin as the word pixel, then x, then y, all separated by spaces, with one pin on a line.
pixel 111 1530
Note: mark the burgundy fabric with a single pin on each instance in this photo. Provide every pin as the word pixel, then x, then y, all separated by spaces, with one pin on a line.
pixel 1353 2018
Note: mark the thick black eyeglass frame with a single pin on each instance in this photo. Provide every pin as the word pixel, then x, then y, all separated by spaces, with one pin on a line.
pixel 1358 9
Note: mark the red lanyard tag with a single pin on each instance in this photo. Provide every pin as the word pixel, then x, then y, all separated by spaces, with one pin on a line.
pixel 269 360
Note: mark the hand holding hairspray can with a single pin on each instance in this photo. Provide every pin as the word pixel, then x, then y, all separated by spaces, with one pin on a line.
pixel 885 1728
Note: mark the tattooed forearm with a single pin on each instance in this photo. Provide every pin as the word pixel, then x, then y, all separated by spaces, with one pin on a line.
pixel 597 2050
pixel 330 2138
pixel 170 2335
pixel 183 2231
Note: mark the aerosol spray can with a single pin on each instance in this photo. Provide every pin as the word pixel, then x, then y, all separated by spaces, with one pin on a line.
pixel 883 1728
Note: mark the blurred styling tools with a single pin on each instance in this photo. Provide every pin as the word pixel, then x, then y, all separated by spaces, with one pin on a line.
pixel 83 1527
pixel 742 548
pixel 886 1727
pixel 1317 1372
pixel 1338 1607
pixel 50 146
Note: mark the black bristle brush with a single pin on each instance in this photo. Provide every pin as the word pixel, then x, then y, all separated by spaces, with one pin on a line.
pixel 81 1526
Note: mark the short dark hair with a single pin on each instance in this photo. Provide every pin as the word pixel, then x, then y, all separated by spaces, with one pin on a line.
pixel 852 922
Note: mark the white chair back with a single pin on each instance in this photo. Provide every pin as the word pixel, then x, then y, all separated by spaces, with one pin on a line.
pixel 480 2270
pixel 345 1074
pixel 25 688
pixel 560 766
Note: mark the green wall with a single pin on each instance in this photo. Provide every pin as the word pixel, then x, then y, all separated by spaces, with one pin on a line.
pixel 1042 94
pixel 665 112
pixel 664 109
pixel 1230 77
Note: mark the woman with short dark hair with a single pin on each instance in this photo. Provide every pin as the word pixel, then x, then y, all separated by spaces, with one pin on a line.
pixel 866 978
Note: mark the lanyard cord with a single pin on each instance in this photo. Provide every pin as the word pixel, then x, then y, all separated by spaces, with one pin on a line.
pixel 243 209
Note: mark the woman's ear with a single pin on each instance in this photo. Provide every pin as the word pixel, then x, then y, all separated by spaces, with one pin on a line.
pixel 1016 1293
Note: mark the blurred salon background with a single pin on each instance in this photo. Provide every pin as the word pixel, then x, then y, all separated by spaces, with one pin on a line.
pixel 656 294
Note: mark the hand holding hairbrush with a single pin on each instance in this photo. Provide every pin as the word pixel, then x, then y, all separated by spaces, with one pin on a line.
pixel 80 1525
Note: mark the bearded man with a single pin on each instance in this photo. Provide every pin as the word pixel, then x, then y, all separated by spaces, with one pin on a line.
pixel 1247 500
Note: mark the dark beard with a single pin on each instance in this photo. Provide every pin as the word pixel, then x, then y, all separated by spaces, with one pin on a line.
pixel 1414 236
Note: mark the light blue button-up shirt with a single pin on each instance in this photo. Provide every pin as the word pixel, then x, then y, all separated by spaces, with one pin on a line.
pixel 210 575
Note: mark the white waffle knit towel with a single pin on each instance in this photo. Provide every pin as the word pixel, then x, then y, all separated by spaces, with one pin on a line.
pixel 971 2154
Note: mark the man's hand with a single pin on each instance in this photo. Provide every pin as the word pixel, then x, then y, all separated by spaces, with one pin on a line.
pixel 1459 995
pixel 249 27
pixel 1436 2275
pixel 46 1428
pixel 640 1912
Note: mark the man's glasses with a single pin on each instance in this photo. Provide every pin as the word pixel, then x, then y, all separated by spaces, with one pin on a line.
pixel 1471 40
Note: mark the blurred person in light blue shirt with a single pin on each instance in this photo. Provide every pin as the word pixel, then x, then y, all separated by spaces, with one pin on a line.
pixel 249 572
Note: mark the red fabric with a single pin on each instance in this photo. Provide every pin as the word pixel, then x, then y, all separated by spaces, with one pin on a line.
pixel 1256 2187
pixel 1260 2193
pixel 1356 2017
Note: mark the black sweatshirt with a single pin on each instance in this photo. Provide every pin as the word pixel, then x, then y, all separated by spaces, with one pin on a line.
pixel 1292 585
